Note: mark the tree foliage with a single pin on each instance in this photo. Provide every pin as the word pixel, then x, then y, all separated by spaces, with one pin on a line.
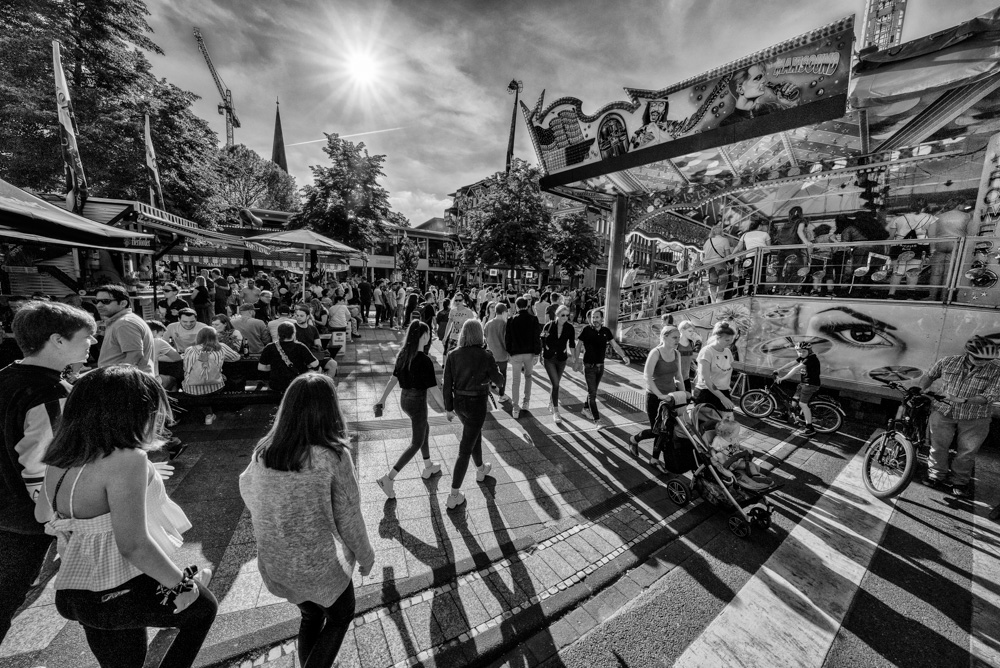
pixel 346 201
pixel 507 219
pixel 407 259
pixel 248 181
pixel 112 87
pixel 575 244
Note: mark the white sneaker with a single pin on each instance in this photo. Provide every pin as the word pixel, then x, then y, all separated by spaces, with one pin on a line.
pixel 555 412
pixel 430 469
pixel 551 409
pixel 515 411
pixel 385 482
pixel 455 499
pixel 210 418
pixel 483 471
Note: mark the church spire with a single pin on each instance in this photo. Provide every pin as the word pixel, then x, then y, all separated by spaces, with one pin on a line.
pixel 278 147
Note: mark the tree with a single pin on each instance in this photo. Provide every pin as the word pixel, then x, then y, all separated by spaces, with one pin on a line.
pixel 346 201
pixel 575 245
pixel 407 259
pixel 112 88
pixel 248 181
pixel 508 222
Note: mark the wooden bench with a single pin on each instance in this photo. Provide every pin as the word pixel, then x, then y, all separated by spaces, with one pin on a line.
pixel 227 399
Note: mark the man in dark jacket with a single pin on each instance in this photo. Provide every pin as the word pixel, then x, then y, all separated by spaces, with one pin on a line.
pixel 32 393
pixel 365 290
pixel 524 344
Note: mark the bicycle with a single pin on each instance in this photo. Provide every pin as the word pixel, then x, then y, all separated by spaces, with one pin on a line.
pixel 890 457
pixel 827 415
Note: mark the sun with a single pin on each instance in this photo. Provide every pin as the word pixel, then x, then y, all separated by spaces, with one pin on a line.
pixel 362 68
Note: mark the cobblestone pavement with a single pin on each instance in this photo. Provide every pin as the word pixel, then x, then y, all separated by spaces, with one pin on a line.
pixel 531 563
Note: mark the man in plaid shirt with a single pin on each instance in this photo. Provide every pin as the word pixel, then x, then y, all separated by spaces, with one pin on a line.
pixel 970 382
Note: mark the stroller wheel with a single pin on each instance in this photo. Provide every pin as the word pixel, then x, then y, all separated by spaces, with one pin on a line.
pixel 739 526
pixel 678 492
pixel 760 517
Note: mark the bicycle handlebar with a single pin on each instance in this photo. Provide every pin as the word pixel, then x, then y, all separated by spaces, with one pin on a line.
pixel 908 390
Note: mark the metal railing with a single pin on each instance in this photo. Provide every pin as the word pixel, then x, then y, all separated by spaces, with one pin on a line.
pixel 947 271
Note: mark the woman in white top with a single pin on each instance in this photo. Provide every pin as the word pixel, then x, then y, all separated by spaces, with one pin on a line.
pixel 459 313
pixel 116 527
pixel 203 367
pixel 715 369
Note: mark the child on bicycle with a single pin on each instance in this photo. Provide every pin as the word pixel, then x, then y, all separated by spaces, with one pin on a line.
pixel 806 364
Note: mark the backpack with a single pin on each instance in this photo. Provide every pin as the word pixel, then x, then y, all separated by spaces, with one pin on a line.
pixel 201 369
pixel 282 375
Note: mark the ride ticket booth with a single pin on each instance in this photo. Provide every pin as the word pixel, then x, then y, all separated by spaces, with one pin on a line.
pixel 793 130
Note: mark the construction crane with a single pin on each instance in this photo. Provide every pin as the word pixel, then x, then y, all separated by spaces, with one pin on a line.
pixel 226 106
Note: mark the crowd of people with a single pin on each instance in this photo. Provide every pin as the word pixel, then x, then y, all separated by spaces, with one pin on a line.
pixel 76 442
pixel 839 257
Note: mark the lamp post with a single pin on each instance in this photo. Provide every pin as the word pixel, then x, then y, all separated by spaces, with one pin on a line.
pixel 513 88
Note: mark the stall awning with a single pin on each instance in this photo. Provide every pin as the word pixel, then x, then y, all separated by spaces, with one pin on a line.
pixel 29 218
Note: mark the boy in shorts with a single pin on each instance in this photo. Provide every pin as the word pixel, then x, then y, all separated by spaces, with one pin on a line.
pixel 808 365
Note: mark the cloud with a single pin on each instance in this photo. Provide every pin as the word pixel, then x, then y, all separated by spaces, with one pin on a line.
pixel 419 207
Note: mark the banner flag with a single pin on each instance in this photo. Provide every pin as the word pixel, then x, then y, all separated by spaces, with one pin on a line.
pixel 155 192
pixel 76 181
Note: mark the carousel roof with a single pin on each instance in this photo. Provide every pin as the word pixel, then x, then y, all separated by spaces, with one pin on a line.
pixel 786 126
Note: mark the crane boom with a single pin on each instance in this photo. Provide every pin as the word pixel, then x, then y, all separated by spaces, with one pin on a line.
pixel 226 106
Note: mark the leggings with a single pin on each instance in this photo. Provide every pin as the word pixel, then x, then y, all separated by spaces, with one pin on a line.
pixel 322 630
pixel 555 369
pixel 414 404
pixel 471 412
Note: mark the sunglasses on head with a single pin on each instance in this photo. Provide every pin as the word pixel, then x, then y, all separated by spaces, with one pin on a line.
pixel 105 301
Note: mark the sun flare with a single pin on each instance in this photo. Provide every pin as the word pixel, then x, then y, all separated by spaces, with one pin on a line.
pixel 363 68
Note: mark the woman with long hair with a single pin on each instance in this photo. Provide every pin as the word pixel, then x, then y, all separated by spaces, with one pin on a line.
pixel 662 374
pixel 558 336
pixel 688 345
pixel 228 334
pixel 441 319
pixel 414 372
pixel 305 506
pixel 468 372
pixel 116 527
pixel 320 315
pixel 412 301
pixel 715 369
pixel 203 367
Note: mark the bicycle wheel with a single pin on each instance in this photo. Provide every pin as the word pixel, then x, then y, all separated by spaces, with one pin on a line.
pixel 757 403
pixel 826 418
pixel 888 465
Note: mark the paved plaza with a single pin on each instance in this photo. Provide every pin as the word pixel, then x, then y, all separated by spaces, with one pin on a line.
pixel 569 532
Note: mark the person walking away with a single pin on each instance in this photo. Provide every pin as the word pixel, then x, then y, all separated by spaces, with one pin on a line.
pixel 170 307
pixel 285 359
pixel 389 296
pixel 715 369
pixel 593 346
pixel 52 337
pixel 414 373
pixel 689 345
pixel 807 364
pixel 127 339
pixel 970 383
pixel 495 332
pixel 541 305
pixel 441 319
pixel 457 317
pixel 555 301
pixel 662 375
pixel 379 299
pixel 221 291
pixel 202 301
pixel 412 300
pixel 428 314
pixel 524 345
pixel 401 305
pixel 203 367
pixel 468 372
pixel 254 331
pixel 365 295
pixel 556 337
pixel 305 507
pixel 115 526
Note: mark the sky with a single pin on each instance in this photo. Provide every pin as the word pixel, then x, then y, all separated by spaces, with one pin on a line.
pixel 424 82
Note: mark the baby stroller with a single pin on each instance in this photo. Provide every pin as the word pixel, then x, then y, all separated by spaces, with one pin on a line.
pixel 685 433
